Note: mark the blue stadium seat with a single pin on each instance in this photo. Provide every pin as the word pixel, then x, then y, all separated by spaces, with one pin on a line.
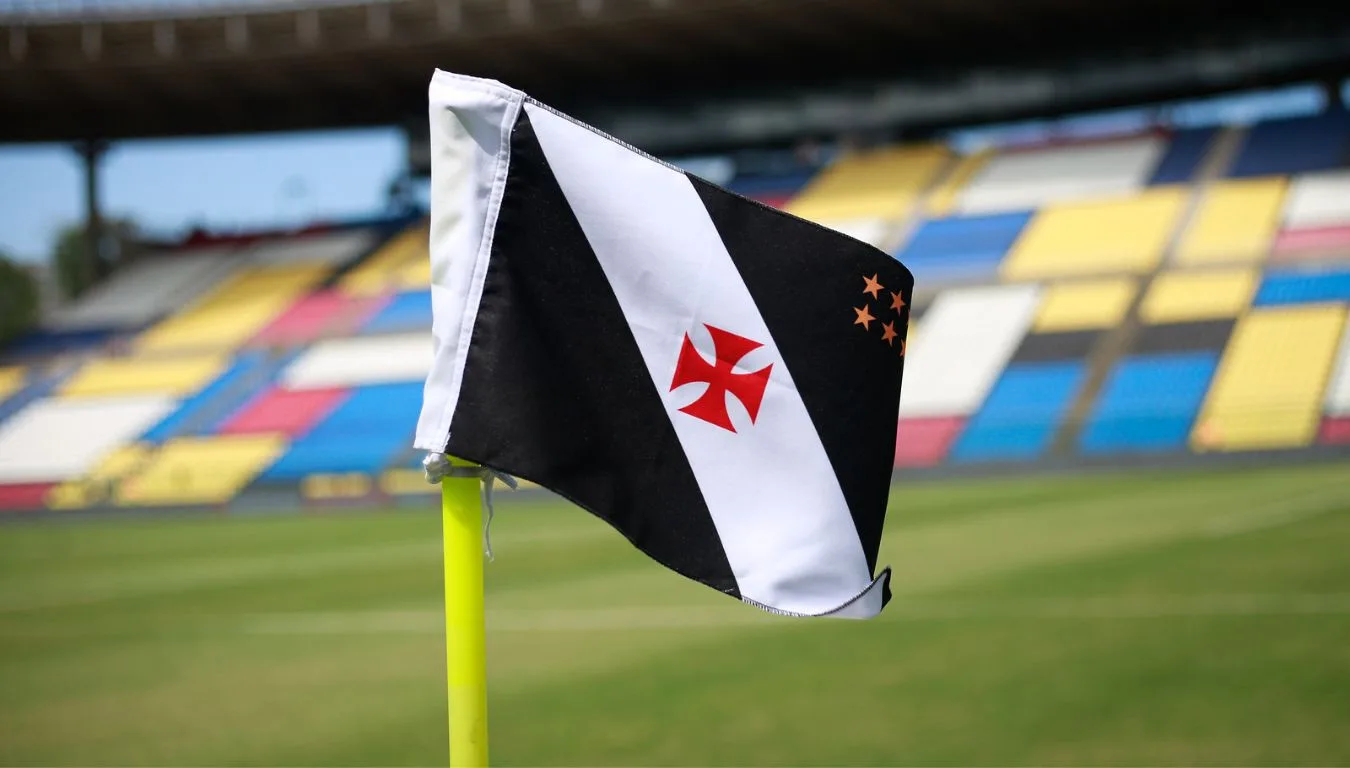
pixel 1183 157
pixel 961 247
pixel 1019 419
pixel 774 184
pixel 213 402
pixel 1149 403
pixel 363 434
pixel 1295 145
pixel 1303 288
pixel 407 312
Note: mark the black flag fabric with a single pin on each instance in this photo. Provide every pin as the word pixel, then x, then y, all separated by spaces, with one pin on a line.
pixel 717 380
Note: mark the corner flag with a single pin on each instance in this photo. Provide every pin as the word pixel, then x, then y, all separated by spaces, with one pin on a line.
pixel 717 380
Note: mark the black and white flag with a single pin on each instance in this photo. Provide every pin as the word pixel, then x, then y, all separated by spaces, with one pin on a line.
pixel 716 379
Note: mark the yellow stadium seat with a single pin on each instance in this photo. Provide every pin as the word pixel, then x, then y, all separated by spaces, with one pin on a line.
pixel 1085 305
pixel 200 470
pixel 1177 297
pixel 1267 393
pixel 140 375
pixel 1235 223
pixel 387 269
pixel 406 482
pixel 880 183
pixel 97 485
pixel 234 312
pixel 942 200
pixel 413 275
pixel 1117 235
pixel 11 380
pixel 346 485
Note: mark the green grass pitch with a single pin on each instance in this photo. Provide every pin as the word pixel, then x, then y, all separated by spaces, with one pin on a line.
pixel 1131 618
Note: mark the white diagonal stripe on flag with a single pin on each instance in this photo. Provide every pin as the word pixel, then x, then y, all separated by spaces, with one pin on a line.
pixel 773 495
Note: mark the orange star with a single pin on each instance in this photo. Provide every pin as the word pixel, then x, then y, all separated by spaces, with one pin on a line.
pixel 888 333
pixel 872 286
pixel 897 302
pixel 902 347
pixel 864 317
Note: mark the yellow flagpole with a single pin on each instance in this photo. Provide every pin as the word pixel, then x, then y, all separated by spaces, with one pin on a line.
pixel 465 642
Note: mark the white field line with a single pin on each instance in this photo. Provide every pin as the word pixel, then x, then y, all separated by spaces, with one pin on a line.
pixel 668 618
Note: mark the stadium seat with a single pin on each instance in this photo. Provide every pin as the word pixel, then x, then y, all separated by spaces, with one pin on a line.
pixel 1268 390
pixel 12 379
pixel 318 315
pixel 1318 200
pixel 1148 403
pixel 282 411
pixel 1084 305
pixel 925 442
pixel 363 434
pixel 771 189
pixel 878 184
pixel 327 248
pixel 1026 179
pixel 1235 222
pixel 234 312
pixel 969 334
pixel 1179 296
pixel 387 269
pixel 408 311
pixel 1125 234
pixel 97 486
pixel 23 496
pixel 961 248
pixel 148 289
pixel 132 375
pixel 199 470
pixel 36 444
pixel 1022 414
pixel 1304 287
pixel 1294 145
pixel 1337 402
pixel 360 361
pixel 196 414
pixel 942 200
pixel 1316 217
pixel 1185 152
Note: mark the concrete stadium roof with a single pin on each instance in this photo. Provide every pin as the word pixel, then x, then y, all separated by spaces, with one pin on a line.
pixel 70 70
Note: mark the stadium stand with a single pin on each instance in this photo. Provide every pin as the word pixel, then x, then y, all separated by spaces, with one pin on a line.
pixel 1026 179
pixel 1268 391
pixel 1156 294
pixel 1316 220
pixel 147 290
pixel 1123 234
pixel 1236 222
pixel 1294 145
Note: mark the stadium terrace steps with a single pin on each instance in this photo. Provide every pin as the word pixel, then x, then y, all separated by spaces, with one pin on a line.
pixel 363 434
pixel 236 311
pixel 1118 235
pixel 1186 152
pixel 1235 223
pixel 401 263
pixel 1181 296
pixel 1019 419
pixel 1294 145
pixel 960 248
pixel 1268 390
pixel 173 376
pixel 199 470
pixel 282 411
pixel 322 314
pixel 1046 176
pixel 1303 287
pixel 407 311
pixel 877 184
pixel 196 415
pixel 360 361
pixel 1149 403
pixel 148 290
pixel 12 379
pixel 36 444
